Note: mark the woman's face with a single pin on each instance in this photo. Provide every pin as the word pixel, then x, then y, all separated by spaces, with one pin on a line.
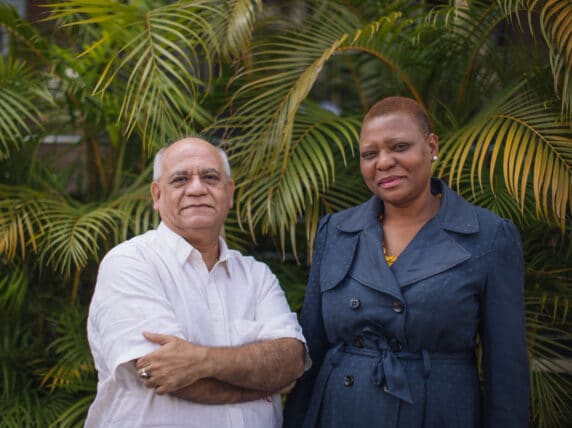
pixel 395 158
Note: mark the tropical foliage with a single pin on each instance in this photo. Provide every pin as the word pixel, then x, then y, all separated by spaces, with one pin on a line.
pixel 283 87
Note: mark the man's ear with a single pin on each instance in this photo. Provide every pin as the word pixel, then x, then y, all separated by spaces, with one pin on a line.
pixel 156 194
pixel 231 184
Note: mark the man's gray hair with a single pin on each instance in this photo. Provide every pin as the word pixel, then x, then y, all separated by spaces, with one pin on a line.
pixel 159 157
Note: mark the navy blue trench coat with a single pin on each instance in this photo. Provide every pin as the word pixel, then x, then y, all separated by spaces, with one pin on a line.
pixel 395 346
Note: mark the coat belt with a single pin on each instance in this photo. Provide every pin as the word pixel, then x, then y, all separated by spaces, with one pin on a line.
pixel 387 370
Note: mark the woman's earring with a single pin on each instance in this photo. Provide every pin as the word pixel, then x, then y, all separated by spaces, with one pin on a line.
pixel 434 158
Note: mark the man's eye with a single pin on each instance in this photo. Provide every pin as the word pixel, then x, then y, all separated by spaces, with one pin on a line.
pixel 210 178
pixel 179 180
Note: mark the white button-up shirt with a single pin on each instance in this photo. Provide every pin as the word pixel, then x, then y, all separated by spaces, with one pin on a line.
pixel 158 282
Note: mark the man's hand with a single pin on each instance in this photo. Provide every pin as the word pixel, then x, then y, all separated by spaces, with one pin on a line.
pixel 176 364
pixel 266 367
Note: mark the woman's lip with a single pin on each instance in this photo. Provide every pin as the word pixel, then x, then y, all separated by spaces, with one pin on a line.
pixel 389 182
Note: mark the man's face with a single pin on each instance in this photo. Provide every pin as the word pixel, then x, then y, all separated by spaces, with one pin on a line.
pixel 193 194
pixel 395 158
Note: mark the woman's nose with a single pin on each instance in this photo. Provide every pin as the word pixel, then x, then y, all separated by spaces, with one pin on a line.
pixel 384 161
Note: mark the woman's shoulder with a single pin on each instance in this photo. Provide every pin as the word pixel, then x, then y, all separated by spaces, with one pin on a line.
pixel 356 215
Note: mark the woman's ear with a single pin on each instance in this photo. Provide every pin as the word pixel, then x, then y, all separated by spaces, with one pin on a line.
pixel 433 143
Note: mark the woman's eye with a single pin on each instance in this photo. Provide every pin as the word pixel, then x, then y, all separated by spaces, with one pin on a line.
pixel 368 155
pixel 399 147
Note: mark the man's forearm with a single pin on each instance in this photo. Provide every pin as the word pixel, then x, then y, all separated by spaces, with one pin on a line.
pixel 266 366
pixel 269 365
pixel 213 391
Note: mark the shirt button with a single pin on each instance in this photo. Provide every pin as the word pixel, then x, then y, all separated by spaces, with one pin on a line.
pixel 358 342
pixel 348 380
pixel 398 307
pixel 354 303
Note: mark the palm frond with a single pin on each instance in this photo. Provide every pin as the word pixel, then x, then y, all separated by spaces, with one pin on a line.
pixel 520 134
pixel 18 112
pixel 28 43
pixel 74 415
pixel 136 208
pixel 64 236
pixel 547 340
pixel 279 196
pixel 74 362
pixel 241 17
pixel 73 235
pixel 162 58
pixel 466 31
pixel 13 287
pixel 284 69
pixel 556 27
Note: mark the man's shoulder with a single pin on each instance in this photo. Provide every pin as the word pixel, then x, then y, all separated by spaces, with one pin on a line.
pixel 247 262
pixel 136 246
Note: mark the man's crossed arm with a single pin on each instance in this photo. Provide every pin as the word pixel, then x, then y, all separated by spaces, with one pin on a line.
pixel 222 375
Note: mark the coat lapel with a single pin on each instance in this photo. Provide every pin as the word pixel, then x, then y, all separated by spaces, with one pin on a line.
pixel 434 249
pixel 358 251
pixel 431 251
pixel 370 267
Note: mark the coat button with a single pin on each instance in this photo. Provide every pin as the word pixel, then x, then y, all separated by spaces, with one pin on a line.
pixel 358 342
pixel 348 380
pixel 385 388
pixel 398 307
pixel 354 303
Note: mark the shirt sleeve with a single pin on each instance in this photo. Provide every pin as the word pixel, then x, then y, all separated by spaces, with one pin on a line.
pixel 273 314
pixel 503 335
pixel 127 301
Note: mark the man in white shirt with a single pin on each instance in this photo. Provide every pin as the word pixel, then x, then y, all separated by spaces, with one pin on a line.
pixel 184 331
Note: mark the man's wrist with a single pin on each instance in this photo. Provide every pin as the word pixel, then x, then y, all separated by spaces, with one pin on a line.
pixel 210 362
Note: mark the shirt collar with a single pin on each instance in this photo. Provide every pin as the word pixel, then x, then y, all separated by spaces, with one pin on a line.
pixel 181 250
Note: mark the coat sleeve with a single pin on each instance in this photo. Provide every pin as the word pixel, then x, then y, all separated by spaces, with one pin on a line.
pixel 503 335
pixel 298 401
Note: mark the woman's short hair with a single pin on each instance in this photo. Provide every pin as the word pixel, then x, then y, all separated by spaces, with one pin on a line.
pixel 405 105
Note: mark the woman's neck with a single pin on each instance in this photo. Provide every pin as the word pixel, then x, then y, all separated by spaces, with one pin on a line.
pixel 418 212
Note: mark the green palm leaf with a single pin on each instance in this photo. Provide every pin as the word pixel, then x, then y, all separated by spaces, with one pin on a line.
pixel 278 197
pixel 65 236
pixel 522 135
pixel 157 58
pixel 556 27
pixel 73 235
pixel 237 31
pixel 18 112
pixel 13 287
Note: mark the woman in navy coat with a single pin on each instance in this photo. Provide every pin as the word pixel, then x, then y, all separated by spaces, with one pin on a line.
pixel 401 290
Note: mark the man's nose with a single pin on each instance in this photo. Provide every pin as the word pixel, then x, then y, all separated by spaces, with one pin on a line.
pixel 195 186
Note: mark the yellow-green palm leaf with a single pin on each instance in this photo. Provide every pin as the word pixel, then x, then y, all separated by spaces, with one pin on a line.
pixel 556 27
pixel 524 137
